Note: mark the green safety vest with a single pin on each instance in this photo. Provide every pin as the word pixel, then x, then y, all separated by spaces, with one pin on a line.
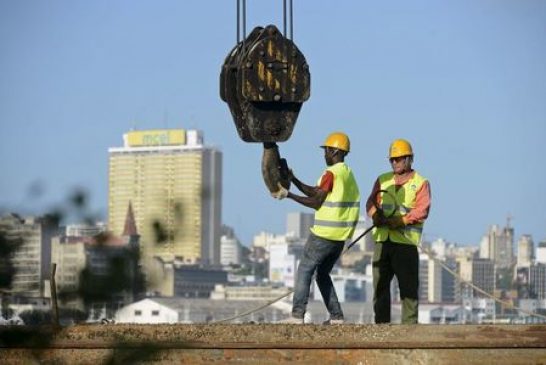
pixel 405 198
pixel 337 217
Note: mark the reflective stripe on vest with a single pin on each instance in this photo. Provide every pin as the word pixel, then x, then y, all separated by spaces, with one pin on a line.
pixel 405 197
pixel 337 217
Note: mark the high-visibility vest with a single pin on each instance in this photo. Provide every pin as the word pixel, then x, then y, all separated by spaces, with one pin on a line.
pixel 405 201
pixel 337 217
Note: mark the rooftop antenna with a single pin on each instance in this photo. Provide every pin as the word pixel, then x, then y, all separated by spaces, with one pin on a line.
pixel 509 219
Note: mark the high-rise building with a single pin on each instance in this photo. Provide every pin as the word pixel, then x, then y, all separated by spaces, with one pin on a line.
pixel 31 259
pixel 298 224
pixel 481 273
pixel 525 251
pixel 498 245
pixel 230 247
pixel 541 252
pixel 430 280
pixel 438 248
pixel 450 287
pixel 173 183
pixel 537 281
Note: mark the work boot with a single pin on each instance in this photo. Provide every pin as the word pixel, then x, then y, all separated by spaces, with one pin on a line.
pixel 334 321
pixel 291 320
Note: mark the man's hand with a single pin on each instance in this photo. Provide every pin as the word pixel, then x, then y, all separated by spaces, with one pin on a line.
pixel 395 222
pixel 281 193
pixel 379 219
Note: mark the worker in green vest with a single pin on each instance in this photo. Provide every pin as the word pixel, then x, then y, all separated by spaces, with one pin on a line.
pixel 336 200
pixel 399 215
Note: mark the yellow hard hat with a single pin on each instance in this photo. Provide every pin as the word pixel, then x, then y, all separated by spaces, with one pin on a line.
pixel 400 147
pixel 338 140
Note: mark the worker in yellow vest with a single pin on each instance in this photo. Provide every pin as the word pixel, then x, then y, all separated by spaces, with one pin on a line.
pixel 336 200
pixel 399 225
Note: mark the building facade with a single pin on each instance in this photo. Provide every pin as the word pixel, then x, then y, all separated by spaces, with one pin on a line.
pixel 298 224
pixel 230 250
pixel 430 280
pixel 32 258
pixel 525 251
pixel 481 273
pixel 173 182
pixel 498 245
pixel 537 281
pixel 98 272
pixel 541 253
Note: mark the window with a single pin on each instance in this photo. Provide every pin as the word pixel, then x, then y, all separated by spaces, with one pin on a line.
pixel 155 313
pixel 138 312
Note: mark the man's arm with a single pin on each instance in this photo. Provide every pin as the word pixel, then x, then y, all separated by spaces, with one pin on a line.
pixel 314 201
pixel 422 206
pixel 315 194
pixel 304 188
pixel 418 213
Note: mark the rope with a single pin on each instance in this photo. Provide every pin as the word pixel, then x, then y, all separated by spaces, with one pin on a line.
pixel 274 300
pixel 478 289
pixel 428 253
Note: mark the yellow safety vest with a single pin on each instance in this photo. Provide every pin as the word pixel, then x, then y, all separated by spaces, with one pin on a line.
pixel 405 199
pixel 336 219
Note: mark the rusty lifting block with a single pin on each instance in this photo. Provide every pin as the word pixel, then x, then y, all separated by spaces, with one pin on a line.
pixel 265 80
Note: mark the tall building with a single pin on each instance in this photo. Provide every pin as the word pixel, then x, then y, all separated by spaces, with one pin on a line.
pixel 525 251
pixel 450 287
pixel 173 183
pixel 498 245
pixel 430 280
pixel 32 259
pixel 537 281
pixel 230 247
pixel 298 224
pixel 481 273
pixel 438 247
pixel 541 252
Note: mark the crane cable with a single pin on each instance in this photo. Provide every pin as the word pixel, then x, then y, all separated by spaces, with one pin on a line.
pixel 425 251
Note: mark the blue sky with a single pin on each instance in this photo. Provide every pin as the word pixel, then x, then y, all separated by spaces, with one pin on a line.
pixel 464 81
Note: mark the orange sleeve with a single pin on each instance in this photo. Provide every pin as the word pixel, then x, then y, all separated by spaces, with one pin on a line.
pixel 327 182
pixel 422 205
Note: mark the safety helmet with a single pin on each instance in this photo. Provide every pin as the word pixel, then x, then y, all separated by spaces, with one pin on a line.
pixel 337 140
pixel 400 147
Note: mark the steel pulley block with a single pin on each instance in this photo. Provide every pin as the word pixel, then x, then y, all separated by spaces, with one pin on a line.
pixel 265 80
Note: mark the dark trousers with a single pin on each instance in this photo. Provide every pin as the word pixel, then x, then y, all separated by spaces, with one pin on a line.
pixel 320 255
pixel 402 260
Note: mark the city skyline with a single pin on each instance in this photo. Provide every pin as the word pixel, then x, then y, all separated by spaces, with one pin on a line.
pixel 464 82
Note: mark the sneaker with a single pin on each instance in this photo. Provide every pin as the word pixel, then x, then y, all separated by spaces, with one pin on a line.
pixel 334 321
pixel 291 320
